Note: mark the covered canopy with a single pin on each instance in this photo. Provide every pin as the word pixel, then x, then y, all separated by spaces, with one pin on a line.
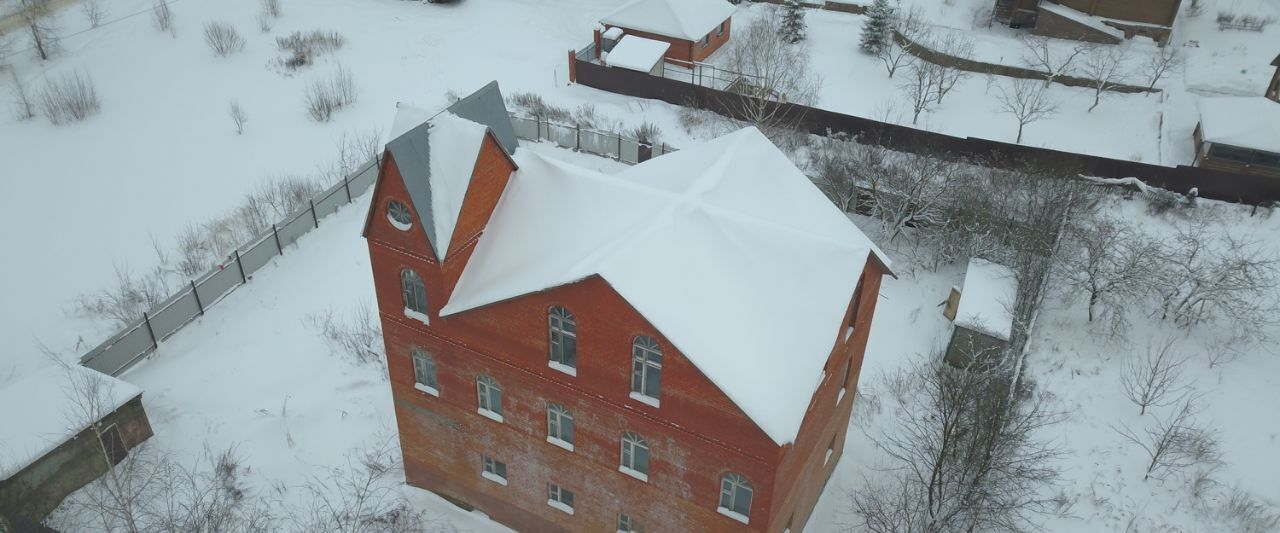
pixel 1246 122
pixel 636 53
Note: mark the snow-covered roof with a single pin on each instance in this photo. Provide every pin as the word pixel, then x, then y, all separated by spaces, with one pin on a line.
pixel 42 410
pixel 1243 121
pixel 987 299
pixel 636 53
pixel 612 33
pixel 437 154
pixel 684 19
pixel 1085 19
pixel 725 247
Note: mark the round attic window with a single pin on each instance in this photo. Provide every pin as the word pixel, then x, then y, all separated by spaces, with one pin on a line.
pixel 398 214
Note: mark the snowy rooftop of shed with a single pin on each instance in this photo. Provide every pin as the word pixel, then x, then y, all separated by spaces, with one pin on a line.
pixel 684 19
pixel 636 53
pixel 987 299
pixel 1247 122
pixel 725 247
pixel 40 411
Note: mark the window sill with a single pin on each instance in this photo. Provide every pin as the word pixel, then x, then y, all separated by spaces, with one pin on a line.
pixel 557 505
pixel 826 461
pixel 563 368
pixel 427 389
pixel 731 514
pixel 848 332
pixel 494 478
pixel 647 400
pixel 634 473
pixel 398 225
pixel 560 443
pixel 417 316
pixel 496 417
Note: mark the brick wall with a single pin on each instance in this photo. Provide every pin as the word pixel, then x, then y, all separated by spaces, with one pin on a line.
pixel 1161 12
pixel 684 50
pixel 1051 24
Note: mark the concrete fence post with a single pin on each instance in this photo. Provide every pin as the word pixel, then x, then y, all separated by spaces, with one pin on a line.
pixel 577 137
pixel 346 185
pixel 240 266
pixel 146 319
pixel 314 217
pixel 196 293
pixel 276 233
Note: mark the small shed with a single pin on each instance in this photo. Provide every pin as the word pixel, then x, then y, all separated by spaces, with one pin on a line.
pixel 63 427
pixel 639 54
pixel 1239 134
pixel 983 314
pixel 694 28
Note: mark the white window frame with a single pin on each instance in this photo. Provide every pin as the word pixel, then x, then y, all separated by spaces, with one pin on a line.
pixel 626 524
pixel 627 464
pixel 391 209
pixel 562 324
pixel 410 280
pixel 555 498
pixel 558 417
pixel 646 366
pixel 733 485
pixel 489 470
pixel 720 29
pixel 706 41
pixel 424 363
pixel 487 389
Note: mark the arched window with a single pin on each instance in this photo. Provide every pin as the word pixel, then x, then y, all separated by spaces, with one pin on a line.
pixel 489 397
pixel 563 330
pixel 559 426
pixel 399 215
pixel 735 496
pixel 424 371
pixel 415 293
pixel 646 368
pixel 635 456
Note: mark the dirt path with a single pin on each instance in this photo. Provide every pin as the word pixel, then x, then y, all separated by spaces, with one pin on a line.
pixel 12 21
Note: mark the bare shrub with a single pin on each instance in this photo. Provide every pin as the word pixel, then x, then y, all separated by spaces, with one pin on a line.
pixel 1114 264
pixel 838 163
pixel 921 88
pixel 955 45
pixel 305 47
pixel 265 22
pixel 773 71
pixel 586 116
pixel 894 54
pixel 1040 52
pixel 357 336
pixel 911 190
pixel 1248 514
pixel 162 18
pixel 327 96
pixel 223 38
pixel 646 133
pixel 271 8
pixel 23 108
pixel 41 26
pixel 533 105
pixel 70 98
pixel 1175 442
pixel 355 149
pixel 93 12
pixel 1155 379
pixel 1216 276
pixel 1027 101
pixel 128 298
pixel 1105 66
pixel 238 116
pixel 1158 65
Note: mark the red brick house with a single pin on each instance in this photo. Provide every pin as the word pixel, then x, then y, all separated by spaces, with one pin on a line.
pixel 1102 21
pixel 672 348
pixel 695 28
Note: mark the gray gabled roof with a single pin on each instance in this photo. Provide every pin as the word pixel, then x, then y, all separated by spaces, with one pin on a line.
pixel 412 150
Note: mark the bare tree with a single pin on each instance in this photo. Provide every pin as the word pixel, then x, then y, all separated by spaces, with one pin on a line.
pixel 238 116
pixel 1216 275
pixel 93 12
pixel 1105 67
pixel 965 457
pixel 1158 65
pixel 1154 379
pixel 1040 52
pixel 1027 101
pixel 921 87
pixel 894 54
pixel 841 164
pixel 37 16
pixel 1175 442
pixel 23 108
pixel 954 45
pixel 912 190
pixel 774 73
pixel 162 18
pixel 1111 262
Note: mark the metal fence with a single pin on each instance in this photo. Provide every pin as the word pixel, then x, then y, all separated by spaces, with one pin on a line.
pixel 608 144
pixel 137 340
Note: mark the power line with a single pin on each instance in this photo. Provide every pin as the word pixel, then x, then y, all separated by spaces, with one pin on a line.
pixel 87 30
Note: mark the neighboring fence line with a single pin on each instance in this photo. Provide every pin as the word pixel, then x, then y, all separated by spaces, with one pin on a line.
pixel 608 144
pixel 1210 183
pixel 142 337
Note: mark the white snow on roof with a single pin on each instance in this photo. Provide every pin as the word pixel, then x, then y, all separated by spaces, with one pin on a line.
pixel 1244 121
pixel 684 19
pixel 1082 18
pixel 39 412
pixel 408 116
pixel 987 299
pixel 612 33
pixel 637 53
pixel 454 147
pixel 725 247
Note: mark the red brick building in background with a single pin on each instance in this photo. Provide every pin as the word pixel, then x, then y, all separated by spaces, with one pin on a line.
pixel 673 348
pixel 695 28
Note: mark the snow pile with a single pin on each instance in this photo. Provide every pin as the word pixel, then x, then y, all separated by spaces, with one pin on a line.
pixel 987 299
pixel 43 409
pixel 684 19
pixel 637 53
pixel 1246 122
pixel 727 248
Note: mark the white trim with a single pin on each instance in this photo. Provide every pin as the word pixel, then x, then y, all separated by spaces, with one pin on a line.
pixel 560 506
pixel 840 397
pixel 490 415
pixel 848 332
pixel 556 365
pixel 417 316
pixel 827 460
pixel 633 473
pixel 560 443
pixel 494 478
pixel 645 399
pixel 397 225
pixel 427 389
pixel 732 514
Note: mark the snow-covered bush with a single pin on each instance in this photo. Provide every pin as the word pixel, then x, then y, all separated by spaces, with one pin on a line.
pixel 305 47
pixel 327 96
pixel 534 106
pixel 357 336
pixel 647 133
pixel 793 27
pixel 162 18
pixel 238 116
pixel 223 38
pixel 271 8
pixel 71 98
pixel 877 31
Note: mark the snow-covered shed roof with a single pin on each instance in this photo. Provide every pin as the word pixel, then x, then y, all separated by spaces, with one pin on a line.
pixel 1244 121
pixel 683 19
pixel 40 411
pixel 436 155
pixel 987 299
pixel 725 247
pixel 636 53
